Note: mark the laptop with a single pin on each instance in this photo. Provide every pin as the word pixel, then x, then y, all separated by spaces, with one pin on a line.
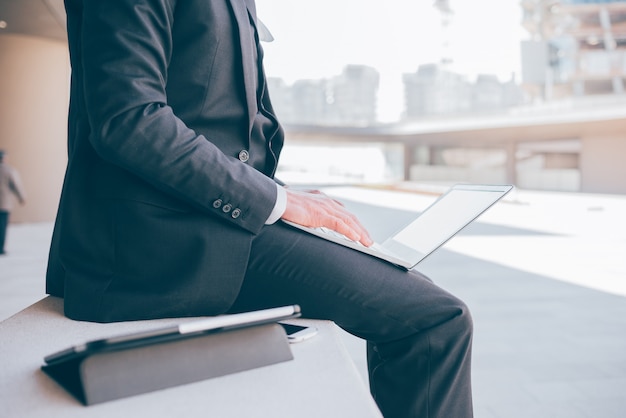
pixel 450 213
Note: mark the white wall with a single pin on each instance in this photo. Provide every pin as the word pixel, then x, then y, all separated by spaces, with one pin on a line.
pixel 34 95
pixel 603 162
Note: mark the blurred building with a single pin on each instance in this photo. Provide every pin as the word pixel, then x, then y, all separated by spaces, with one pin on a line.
pixel 309 102
pixel 435 91
pixel 354 95
pixel 577 47
pixel 349 98
pixel 432 90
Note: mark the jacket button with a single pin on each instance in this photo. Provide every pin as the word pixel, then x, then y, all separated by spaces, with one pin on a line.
pixel 244 156
pixel 236 213
pixel 217 204
pixel 227 207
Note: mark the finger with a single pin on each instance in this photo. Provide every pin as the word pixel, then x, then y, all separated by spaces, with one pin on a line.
pixel 349 225
pixel 314 209
pixel 363 235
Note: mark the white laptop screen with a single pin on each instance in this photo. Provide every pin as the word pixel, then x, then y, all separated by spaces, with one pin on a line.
pixel 447 216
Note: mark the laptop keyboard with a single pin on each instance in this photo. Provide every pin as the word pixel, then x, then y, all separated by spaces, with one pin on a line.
pixel 375 246
pixel 335 234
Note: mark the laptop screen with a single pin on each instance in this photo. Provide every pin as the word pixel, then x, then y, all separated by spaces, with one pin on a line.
pixel 448 215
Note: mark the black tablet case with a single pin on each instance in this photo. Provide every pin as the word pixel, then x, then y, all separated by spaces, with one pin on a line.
pixel 104 376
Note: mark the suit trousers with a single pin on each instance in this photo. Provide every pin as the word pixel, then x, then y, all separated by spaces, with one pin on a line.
pixel 418 335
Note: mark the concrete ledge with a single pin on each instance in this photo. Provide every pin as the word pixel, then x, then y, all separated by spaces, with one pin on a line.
pixel 321 381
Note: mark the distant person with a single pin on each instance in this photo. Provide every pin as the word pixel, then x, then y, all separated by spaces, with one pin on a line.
pixel 170 207
pixel 10 188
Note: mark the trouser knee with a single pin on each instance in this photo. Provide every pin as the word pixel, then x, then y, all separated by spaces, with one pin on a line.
pixel 463 321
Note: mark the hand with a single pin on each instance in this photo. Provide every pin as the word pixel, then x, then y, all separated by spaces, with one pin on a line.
pixel 315 209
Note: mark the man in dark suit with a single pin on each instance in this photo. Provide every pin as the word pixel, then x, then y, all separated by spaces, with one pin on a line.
pixel 169 204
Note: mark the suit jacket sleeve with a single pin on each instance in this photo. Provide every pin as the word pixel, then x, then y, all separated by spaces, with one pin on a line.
pixel 126 49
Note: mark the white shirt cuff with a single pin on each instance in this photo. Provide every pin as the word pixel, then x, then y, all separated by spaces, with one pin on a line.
pixel 279 207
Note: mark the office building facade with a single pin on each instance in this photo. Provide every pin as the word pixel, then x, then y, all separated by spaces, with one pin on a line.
pixel 349 98
pixel 577 48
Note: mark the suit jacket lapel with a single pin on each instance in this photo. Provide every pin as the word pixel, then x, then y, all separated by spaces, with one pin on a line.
pixel 247 42
pixel 251 5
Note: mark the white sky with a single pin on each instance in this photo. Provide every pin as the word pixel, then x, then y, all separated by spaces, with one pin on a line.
pixel 317 38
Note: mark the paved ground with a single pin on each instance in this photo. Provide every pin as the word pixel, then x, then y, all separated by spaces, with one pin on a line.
pixel 544 276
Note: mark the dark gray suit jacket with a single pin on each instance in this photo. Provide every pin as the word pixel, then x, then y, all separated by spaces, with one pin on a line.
pixel 165 185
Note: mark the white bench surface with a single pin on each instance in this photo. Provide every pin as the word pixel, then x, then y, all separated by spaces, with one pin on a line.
pixel 321 381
